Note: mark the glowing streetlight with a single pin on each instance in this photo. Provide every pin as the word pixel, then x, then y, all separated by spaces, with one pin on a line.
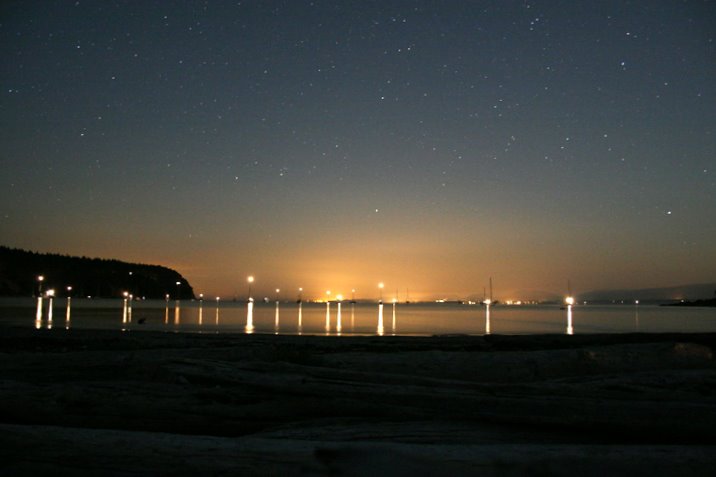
pixel 300 295
pixel 569 300
pixel 40 279
pixel 278 297
pixel 380 286
pixel 250 280
pixel 178 284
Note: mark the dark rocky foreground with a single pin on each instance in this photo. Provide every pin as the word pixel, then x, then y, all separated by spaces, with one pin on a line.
pixel 112 403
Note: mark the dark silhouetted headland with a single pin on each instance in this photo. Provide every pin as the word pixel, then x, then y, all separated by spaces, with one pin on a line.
pixel 96 277
pixel 709 302
pixel 689 292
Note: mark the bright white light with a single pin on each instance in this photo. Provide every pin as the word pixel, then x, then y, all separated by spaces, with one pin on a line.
pixel 569 300
pixel 381 285
pixel 40 278
pixel 339 297
pixel 250 279
pixel 50 292
pixel 487 302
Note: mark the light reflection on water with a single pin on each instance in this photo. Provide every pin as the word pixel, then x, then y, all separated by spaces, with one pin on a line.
pixel 67 313
pixel 250 317
pixel 311 318
pixel 49 313
pixel 38 313
pixel 277 324
pixel 380 329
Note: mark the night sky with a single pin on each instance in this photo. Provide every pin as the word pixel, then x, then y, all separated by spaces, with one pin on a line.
pixel 333 145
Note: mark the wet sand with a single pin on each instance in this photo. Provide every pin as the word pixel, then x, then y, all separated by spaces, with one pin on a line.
pixel 143 403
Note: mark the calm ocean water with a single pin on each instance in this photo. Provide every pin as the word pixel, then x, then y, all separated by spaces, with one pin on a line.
pixel 352 319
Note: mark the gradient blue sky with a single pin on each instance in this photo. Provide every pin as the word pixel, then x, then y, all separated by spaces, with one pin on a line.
pixel 336 144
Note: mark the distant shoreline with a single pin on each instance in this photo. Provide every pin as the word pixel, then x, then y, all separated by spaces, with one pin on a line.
pixel 708 303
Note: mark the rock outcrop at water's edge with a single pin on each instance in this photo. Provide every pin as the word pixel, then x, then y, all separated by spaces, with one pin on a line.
pixel 99 402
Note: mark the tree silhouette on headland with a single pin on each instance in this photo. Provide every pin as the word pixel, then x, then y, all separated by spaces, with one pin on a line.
pixel 96 277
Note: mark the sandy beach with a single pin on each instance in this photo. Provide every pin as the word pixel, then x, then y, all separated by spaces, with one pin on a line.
pixel 143 403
